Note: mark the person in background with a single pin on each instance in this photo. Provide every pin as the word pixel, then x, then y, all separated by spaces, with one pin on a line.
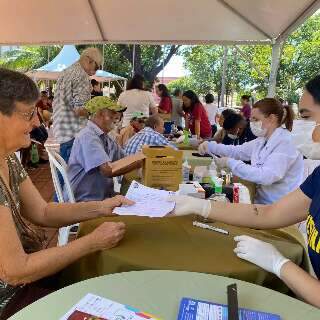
pixel 73 90
pixel 221 133
pixel 44 108
pixel 90 168
pixel 299 205
pixel 276 165
pixel 177 113
pixel 26 263
pixel 165 105
pixel 212 110
pixel 196 116
pixel 136 99
pixel 151 135
pixel 246 108
pixel 96 89
pixel 237 130
pixel 137 123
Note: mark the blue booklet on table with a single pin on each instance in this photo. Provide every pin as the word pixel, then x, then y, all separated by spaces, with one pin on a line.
pixel 191 309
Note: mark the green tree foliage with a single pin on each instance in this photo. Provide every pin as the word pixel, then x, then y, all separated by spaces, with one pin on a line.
pixel 28 57
pixel 300 61
pixel 149 60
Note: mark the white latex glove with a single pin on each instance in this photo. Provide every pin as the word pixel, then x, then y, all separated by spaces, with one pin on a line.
pixel 190 205
pixel 203 148
pixel 221 162
pixel 261 253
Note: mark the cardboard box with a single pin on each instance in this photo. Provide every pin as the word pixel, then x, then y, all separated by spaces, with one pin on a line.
pixel 162 167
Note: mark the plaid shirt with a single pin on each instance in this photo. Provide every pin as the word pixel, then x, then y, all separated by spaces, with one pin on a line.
pixel 72 91
pixel 147 136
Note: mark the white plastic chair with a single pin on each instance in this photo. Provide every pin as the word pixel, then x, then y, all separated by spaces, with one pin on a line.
pixel 57 164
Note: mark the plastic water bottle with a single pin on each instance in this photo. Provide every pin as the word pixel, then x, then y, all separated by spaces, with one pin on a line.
pixel 186 171
pixel 186 136
pixel 34 155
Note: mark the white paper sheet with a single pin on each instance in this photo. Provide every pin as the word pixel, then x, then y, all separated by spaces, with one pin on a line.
pixel 149 202
pixel 107 309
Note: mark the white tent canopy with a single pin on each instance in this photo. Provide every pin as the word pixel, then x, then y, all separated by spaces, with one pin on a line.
pixel 66 57
pixel 173 21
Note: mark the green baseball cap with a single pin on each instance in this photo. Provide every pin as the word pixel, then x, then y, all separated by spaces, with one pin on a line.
pixel 138 115
pixel 100 103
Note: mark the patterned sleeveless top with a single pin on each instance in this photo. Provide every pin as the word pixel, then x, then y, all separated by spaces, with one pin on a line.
pixel 31 239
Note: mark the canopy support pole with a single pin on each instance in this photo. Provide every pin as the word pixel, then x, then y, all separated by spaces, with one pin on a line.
pixel 133 58
pixel 275 62
pixel 223 77
pixel 103 56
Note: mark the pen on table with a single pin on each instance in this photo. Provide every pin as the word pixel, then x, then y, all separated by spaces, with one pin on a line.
pixel 212 228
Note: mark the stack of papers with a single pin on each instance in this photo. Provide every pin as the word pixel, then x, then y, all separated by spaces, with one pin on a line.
pixel 149 202
pixel 98 308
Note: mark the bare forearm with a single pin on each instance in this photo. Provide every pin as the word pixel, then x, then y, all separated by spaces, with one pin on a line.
pixel 246 215
pixel 63 214
pixel 301 283
pixel 49 261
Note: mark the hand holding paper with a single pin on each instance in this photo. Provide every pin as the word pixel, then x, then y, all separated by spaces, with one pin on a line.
pixel 149 202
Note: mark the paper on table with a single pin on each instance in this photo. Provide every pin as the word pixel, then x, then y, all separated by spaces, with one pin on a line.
pixel 149 202
pixel 95 306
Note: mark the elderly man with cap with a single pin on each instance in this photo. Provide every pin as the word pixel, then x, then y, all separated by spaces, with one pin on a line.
pixel 137 123
pixel 73 90
pixel 91 164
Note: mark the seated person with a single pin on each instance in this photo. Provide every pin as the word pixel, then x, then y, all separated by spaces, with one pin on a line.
pixel 237 129
pixel 151 135
pixel 96 89
pixel 276 165
pixel 90 167
pixel 301 204
pixel 25 261
pixel 44 107
pixel 136 124
pixel 221 133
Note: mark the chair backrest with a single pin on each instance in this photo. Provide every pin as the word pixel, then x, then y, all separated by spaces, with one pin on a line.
pixel 57 164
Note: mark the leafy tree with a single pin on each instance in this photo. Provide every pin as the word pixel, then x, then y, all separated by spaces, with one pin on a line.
pixel 28 57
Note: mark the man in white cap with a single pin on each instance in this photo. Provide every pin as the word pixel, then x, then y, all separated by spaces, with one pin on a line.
pixel 73 90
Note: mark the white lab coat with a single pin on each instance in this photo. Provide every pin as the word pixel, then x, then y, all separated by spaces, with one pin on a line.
pixel 276 165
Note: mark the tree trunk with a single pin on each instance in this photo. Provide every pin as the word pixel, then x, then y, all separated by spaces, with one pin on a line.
pixel 276 56
pixel 223 76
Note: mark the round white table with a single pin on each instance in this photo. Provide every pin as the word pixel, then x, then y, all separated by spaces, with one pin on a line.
pixel 160 292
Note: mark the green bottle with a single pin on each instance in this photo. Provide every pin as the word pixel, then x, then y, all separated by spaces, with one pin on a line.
pixel 34 154
pixel 186 136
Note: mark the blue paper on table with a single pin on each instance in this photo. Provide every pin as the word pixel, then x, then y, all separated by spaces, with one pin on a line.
pixel 191 309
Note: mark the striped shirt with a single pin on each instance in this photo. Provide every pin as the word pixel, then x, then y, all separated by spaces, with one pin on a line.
pixel 147 136
pixel 72 91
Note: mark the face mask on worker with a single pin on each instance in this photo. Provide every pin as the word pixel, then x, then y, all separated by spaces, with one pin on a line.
pixel 232 136
pixel 256 128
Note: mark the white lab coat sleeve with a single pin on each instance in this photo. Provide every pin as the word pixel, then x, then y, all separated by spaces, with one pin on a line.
pixel 273 169
pixel 242 152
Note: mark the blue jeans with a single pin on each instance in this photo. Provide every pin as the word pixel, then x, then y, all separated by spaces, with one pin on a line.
pixel 65 151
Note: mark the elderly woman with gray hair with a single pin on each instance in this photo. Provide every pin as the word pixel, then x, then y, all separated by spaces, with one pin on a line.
pixel 25 263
